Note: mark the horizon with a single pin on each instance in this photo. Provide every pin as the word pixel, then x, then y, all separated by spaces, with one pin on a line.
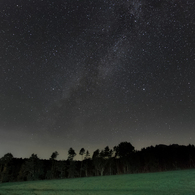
pixel 78 156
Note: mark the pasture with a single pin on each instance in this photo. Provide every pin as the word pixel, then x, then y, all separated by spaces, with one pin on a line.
pixel 180 182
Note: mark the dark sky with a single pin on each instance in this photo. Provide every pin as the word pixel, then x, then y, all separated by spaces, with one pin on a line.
pixel 84 73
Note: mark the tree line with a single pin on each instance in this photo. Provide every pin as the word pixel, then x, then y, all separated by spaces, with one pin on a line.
pixel 121 159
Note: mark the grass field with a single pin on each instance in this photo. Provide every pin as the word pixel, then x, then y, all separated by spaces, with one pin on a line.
pixel 164 183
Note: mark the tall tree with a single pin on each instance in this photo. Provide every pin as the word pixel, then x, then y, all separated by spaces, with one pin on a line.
pixel 86 163
pixel 99 162
pixel 96 154
pixel 107 154
pixel 124 150
pixel 87 155
pixel 72 165
pixel 71 154
pixel 52 173
pixel 54 155
pixel 82 151
pixel 6 167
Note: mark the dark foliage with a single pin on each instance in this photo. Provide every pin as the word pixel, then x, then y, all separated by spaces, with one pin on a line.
pixel 122 159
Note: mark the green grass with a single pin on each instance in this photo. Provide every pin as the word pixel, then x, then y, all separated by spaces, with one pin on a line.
pixel 164 183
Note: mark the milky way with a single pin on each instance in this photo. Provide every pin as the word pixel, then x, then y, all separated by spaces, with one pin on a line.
pixel 95 73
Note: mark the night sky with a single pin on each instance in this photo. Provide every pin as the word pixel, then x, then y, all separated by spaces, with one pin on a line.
pixel 87 73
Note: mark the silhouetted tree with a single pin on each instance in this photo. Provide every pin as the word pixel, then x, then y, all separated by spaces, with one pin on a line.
pixel 86 163
pixel 6 167
pixel 107 154
pixel 124 151
pixel 87 155
pixel 82 151
pixel 95 154
pixel 71 154
pixel 52 173
pixel 72 172
pixel 54 155
pixel 158 158
pixel 99 162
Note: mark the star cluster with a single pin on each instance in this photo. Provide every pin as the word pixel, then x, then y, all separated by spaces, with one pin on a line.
pixel 95 73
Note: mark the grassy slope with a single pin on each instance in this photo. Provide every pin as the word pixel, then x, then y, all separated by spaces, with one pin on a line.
pixel 165 183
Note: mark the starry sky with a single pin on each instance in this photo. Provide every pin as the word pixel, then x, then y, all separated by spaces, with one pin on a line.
pixel 84 73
